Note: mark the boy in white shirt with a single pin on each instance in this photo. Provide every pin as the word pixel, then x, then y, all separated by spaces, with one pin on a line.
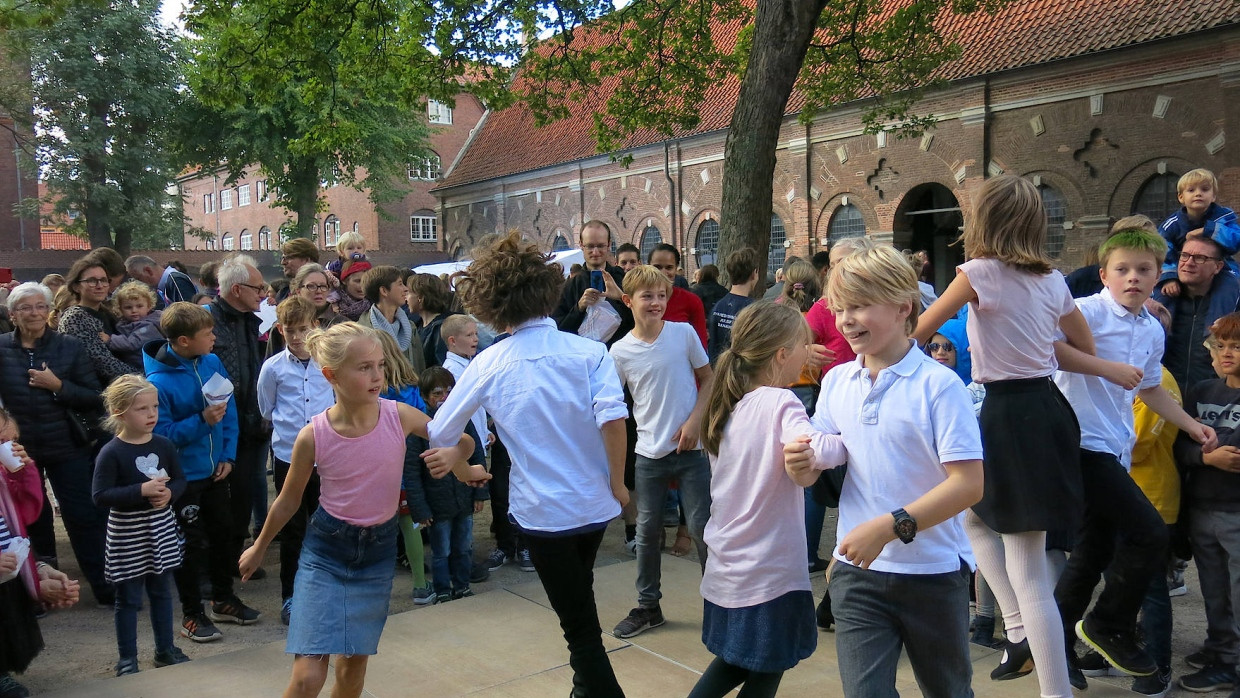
pixel 915 464
pixel 291 390
pixel 1122 532
pixel 460 333
pixel 668 373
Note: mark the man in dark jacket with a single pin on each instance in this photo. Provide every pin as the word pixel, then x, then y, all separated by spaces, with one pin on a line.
pixel 578 295
pixel 1205 296
pixel 238 348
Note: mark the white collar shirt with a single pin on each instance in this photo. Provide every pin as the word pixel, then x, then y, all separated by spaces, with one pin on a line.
pixel 290 392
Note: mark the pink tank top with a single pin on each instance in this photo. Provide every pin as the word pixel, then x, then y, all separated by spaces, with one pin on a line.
pixel 360 477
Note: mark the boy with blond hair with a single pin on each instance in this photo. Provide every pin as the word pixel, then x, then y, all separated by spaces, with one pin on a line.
pixel 460 333
pixel 665 367
pixel 914 466
pixel 1197 191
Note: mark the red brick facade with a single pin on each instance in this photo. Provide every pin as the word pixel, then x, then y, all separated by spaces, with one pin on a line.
pixel 17 182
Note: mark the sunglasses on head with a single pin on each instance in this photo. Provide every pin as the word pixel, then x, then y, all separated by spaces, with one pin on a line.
pixel 937 346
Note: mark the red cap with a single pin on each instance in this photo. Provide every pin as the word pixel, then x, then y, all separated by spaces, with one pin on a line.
pixel 356 267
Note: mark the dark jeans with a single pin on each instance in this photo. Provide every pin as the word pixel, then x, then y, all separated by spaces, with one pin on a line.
pixel 878 613
pixel 654 476
pixel 1156 620
pixel 158 588
pixel 294 532
pixel 85 522
pixel 508 538
pixel 204 514
pixel 452 547
pixel 251 455
pixel 1123 535
pixel 565 565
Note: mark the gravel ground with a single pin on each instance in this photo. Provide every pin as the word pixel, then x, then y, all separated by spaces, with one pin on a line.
pixel 81 640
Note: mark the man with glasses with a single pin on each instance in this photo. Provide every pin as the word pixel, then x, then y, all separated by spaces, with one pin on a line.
pixel 1205 296
pixel 579 294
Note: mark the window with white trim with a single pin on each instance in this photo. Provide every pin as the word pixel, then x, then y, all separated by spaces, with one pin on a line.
pixel 264 238
pixel 260 190
pixel 425 169
pixel 247 240
pixel 208 203
pixel 422 228
pixel 331 231
pixel 438 112
pixel 228 242
pixel 226 199
pixel 243 195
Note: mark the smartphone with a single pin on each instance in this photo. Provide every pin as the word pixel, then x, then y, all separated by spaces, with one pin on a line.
pixel 596 280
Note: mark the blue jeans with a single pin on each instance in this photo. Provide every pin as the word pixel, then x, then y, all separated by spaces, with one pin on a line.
pixel 158 588
pixel 452 547
pixel 652 477
pixel 878 613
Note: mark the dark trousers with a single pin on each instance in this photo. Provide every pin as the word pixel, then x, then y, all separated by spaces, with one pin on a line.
pixel 251 455
pixel 1122 535
pixel 565 565
pixel 204 514
pixel 507 536
pixel 42 531
pixel 294 532
pixel 158 588
pixel 85 522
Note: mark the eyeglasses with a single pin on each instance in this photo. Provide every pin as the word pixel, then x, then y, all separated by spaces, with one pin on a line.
pixel 39 308
pixel 260 290
pixel 94 281
pixel 1198 258
pixel 315 288
pixel 940 346
pixel 597 247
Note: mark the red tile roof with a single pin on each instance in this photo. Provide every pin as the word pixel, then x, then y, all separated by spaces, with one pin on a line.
pixel 53 239
pixel 1024 33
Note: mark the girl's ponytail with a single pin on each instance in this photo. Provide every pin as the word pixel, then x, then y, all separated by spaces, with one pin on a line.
pixel 732 380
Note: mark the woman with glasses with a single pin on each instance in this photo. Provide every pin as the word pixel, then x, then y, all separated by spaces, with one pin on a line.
pixel 49 385
pixel 89 317
pixel 313 284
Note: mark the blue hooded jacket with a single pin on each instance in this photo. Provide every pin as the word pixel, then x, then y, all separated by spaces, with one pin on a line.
pixel 1220 225
pixel 181 402
pixel 954 331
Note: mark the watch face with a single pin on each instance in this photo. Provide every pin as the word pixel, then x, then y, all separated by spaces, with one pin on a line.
pixel 906 528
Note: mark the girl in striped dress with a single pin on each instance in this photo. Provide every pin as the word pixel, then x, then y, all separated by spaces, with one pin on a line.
pixel 137 475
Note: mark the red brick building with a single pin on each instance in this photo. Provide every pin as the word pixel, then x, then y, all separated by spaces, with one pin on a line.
pixel 1101 103
pixel 17 176
pixel 241 216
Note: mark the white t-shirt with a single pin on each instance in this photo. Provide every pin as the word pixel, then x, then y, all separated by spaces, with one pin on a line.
pixel 1012 324
pixel 660 376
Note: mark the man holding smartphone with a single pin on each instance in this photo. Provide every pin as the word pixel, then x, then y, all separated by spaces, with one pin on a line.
pixel 601 282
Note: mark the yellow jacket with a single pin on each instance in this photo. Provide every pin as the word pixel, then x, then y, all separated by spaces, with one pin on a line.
pixel 1153 466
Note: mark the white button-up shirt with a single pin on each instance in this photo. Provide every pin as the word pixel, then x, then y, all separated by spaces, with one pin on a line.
pixel 548 393
pixel 1103 408
pixel 899 430
pixel 455 363
pixel 289 394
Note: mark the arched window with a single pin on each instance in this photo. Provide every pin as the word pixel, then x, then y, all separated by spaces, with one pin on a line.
pixel 560 243
pixel 846 222
pixel 1157 197
pixel 264 238
pixel 707 242
pixel 775 257
pixel 650 237
pixel 1056 213
pixel 228 242
pixel 331 231
pixel 247 239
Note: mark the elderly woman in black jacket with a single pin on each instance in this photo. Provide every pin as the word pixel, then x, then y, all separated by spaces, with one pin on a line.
pixel 49 385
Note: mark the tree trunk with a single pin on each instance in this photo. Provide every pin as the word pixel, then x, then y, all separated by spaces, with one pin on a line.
pixel 95 179
pixel 304 196
pixel 782 33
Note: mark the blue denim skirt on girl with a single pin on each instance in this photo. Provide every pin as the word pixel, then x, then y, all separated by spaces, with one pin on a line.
pixel 343 586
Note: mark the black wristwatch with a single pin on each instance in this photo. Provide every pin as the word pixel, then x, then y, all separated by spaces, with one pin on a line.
pixel 905 526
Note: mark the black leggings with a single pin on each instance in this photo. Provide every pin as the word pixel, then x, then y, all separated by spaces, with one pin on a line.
pixel 720 678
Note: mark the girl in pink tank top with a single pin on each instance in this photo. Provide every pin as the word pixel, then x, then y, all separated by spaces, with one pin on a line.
pixel 344 580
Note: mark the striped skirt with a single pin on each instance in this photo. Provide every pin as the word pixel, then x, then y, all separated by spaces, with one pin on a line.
pixel 141 543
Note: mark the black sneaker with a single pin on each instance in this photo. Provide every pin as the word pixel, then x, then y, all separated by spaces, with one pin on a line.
pixel 10 688
pixel 127 666
pixel 1092 664
pixel 496 559
pixel 462 594
pixel 1215 677
pixel 1075 676
pixel 823 615
pixel 1201 659
pixel 639 621
pixel 170 657
pixel 442 598
pixel 232 611
pixel 1119 649
pixel 1156 684
pixel 198 628
pixel 525 561
pixel 479 572
pixel 1017 661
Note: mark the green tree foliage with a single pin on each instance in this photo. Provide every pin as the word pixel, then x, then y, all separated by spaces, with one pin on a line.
pixel 104 84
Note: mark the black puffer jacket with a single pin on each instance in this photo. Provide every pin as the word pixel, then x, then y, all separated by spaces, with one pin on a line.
pixel 237 345
pixel 42 416
pixel 444 498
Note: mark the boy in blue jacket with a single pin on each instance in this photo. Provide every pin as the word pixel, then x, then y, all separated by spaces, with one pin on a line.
pixel 206 440
pixel 1197 191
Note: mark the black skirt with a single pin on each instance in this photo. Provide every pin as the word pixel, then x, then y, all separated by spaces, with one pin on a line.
pixel 20 639
pixel 1031 456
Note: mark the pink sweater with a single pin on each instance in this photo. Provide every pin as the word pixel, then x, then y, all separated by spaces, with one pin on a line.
pixel 756 532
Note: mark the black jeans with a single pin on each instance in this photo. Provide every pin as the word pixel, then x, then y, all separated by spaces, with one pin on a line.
pixel 85 522
pixel 294 532
pixel 565 565
pixel 507 536
pixel 1122 535
pixel 251 455
pixel 205 516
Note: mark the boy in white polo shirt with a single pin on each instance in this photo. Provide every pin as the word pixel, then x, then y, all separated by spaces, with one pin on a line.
pixel 666 369
pixel 914 465
pixel 1122 533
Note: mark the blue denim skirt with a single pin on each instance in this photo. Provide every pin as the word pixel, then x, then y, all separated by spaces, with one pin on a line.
pixel 343 586
pixel 771 636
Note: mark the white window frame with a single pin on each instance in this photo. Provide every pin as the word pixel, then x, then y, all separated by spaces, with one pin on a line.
pixel 247 240
pixel 227 242
pixel 208 203
pixel 438 112
pixel 423 228
pixel 260 190
pixel 226 199
pixel 426 169
pixel 243 195
pixel 331 231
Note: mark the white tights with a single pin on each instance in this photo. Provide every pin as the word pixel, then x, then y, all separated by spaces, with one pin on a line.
pixel 1015 566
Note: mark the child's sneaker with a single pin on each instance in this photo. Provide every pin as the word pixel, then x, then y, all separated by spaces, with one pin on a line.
pixel 639 621
pixel 232 611
pixel 1214 677
pixel 1156 684
pixel 197 627
pixel 286 611
pixel 462 594
pixel 1092 664
pixel 174 655
pixel 496 559
pixel 127 666
pixel 524 560
pixel 424 595
pixel 10 688
pixel 442 598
